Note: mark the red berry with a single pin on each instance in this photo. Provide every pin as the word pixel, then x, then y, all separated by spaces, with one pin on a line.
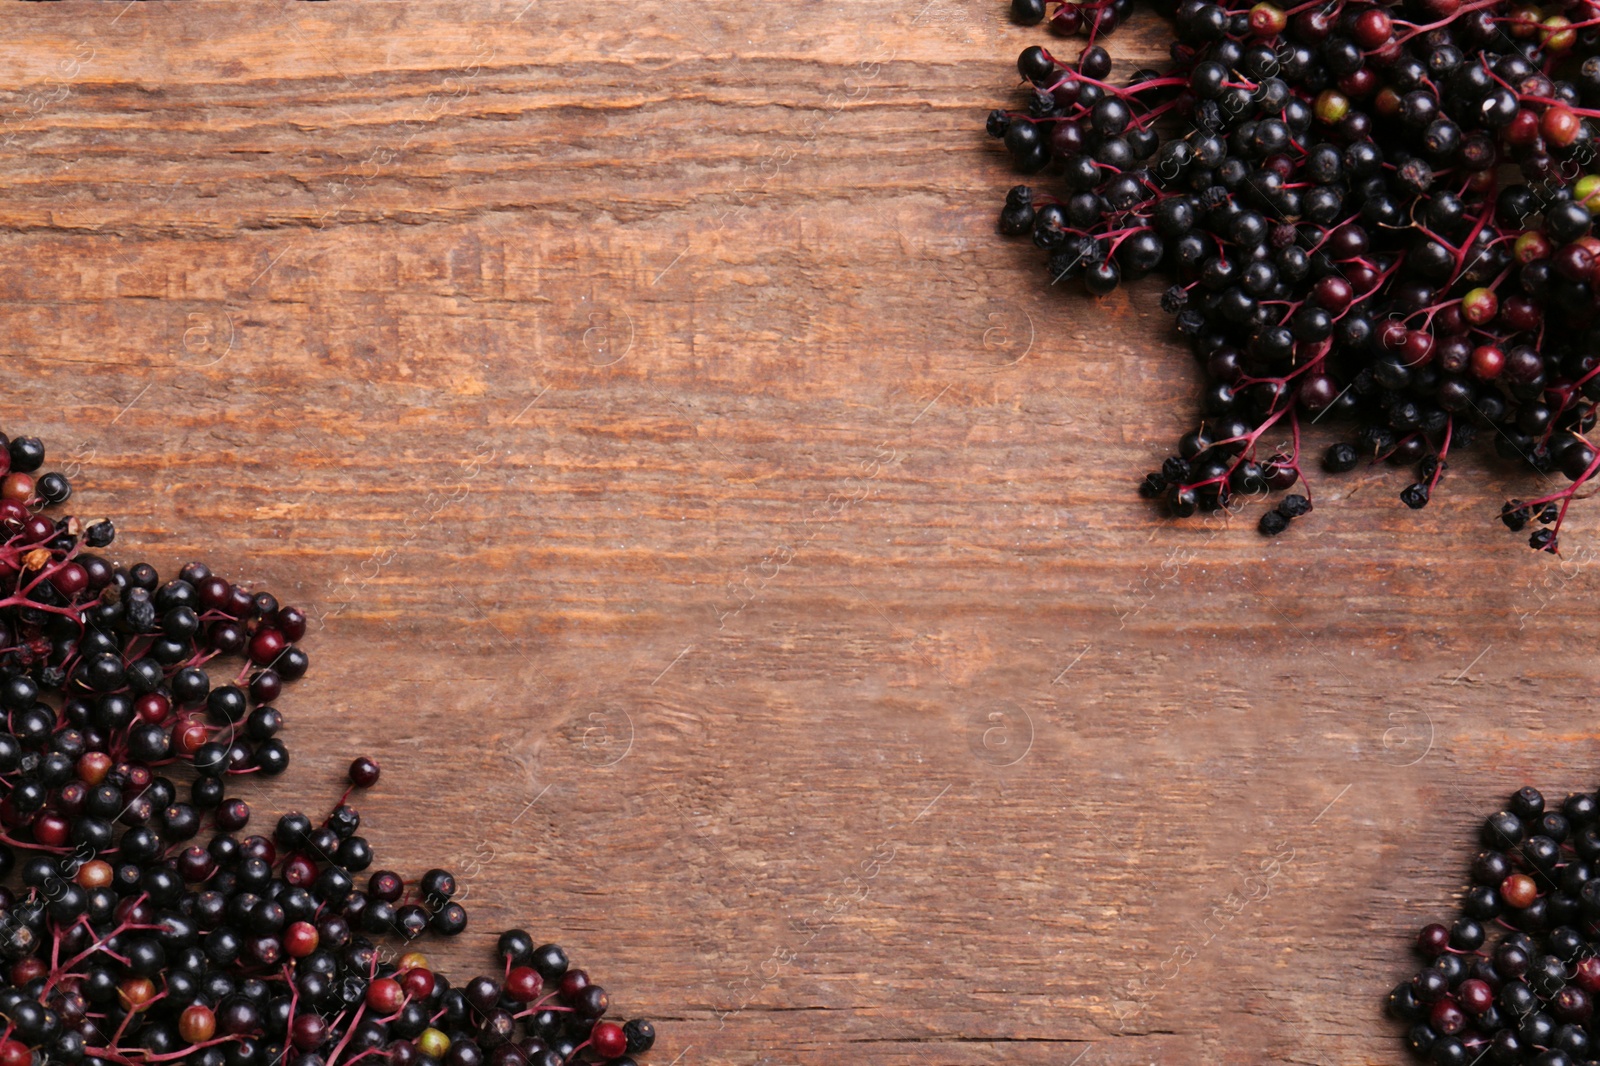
pixel 153 707
pixel 1363 279
pixel 70 580
pixel 195 864
pixel 191 737
pixel 38 528
pixel 1518 890
pixel 93 767
pixel 573 982
pixel 1312 26
pixel 1359 84
pixel 1394 335
pixel 1588 974
pixel 1559 125
pixel 291 622
pixel 266 645
pixel 1519 312
pixel 1067 21
pixel 1333 293
pixel 134 993
pixel 308 1031
pixel 523 984
pixel 300 871
pixel 197 1024
pixel 213 593
pixel 1590 244
pixel 241 604
pixel 1433 940
pixel 384 996
pixel 51 830
pixel 1418 348
pixel 27 970
pixel 1523 130
pixel 1573 262
pixel 1523 21
pixel 364 772
pixel 608 1040
pixel 1446 1018
pixel 18 487
pixel 300 939
pixel 1487 362
pixel 1385 54
pixel 1373 28
pixel 418 982
pixel 1476 996
pixel 96 873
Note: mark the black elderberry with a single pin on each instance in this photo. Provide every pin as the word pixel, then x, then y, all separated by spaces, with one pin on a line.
pixel 548 959
pixel 172 941
pixel 1503 830
pixel 53 489
pixel 1415 496
pixel 1027 12
pixel 27 454
pixel 449 920
pixel 641 1036
pixel 1036 65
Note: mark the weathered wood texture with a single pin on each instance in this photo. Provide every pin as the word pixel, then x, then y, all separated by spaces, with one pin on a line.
pixel 728 546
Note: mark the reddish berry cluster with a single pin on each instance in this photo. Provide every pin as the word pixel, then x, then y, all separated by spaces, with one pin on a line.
pixel 1326 187
pixel 132 943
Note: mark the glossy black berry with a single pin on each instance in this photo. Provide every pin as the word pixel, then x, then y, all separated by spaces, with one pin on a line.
pixel 1027 12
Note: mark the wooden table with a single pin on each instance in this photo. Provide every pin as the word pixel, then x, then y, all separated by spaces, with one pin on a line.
pixel 728 545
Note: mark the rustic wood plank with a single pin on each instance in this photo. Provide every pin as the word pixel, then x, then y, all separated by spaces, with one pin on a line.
pixel 727 545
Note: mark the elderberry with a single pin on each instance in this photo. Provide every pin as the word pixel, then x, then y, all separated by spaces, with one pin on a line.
pixel 150 928
pixel 1375 216
pixel 1520 968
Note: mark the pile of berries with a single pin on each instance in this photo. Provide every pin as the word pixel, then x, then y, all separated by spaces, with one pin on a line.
pixel 1372 211
pixel 1515 978
pixel 1092 17
pixel 148 926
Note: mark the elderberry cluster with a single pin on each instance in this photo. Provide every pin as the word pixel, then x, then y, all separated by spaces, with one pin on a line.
pixel 1378 212
pixel 1515 978
pixel 148 928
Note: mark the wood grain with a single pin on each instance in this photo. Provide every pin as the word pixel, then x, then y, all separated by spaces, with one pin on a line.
pixel 728 546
